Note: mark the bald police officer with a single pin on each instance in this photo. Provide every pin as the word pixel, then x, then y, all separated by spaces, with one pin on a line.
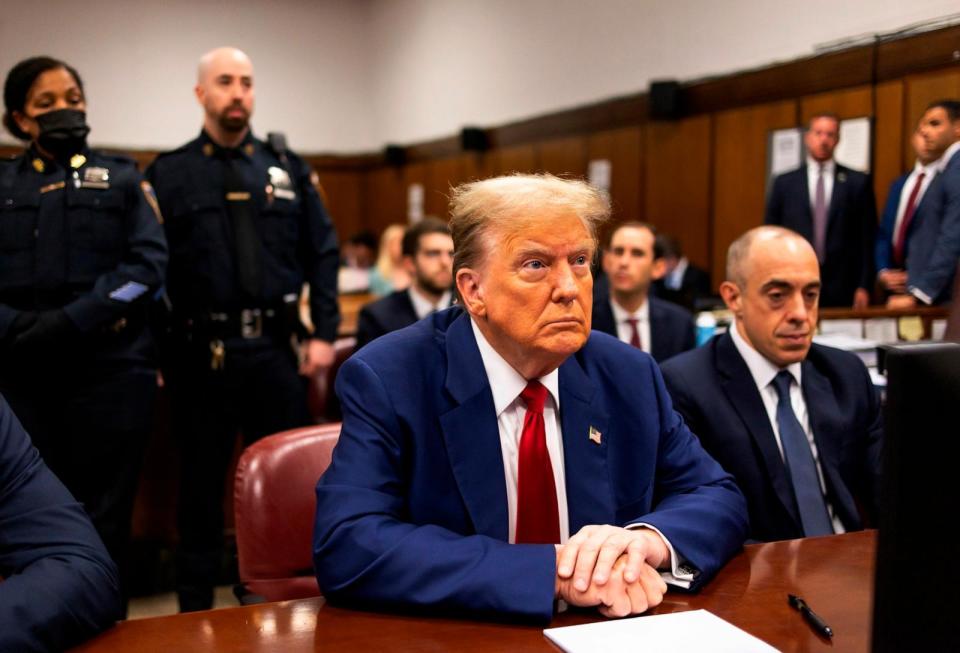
pixel 246 228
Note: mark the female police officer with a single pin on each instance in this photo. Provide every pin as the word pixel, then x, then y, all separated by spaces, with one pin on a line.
pixel 82 252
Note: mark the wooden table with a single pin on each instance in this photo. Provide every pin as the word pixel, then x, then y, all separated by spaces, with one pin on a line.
pixel 834 574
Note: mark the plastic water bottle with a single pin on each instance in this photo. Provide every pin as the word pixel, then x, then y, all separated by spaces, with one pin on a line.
pixel 706 327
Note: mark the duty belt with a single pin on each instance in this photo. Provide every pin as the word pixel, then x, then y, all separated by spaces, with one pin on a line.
pixel 247 323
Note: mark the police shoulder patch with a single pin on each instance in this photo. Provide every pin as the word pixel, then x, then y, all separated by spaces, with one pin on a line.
pixel 151 196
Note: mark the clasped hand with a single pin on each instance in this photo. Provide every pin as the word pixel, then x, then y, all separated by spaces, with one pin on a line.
pixel 612 568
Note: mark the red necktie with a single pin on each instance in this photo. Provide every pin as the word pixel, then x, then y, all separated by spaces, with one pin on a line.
pixel 634 332
pixel 900 243
pixel 538 521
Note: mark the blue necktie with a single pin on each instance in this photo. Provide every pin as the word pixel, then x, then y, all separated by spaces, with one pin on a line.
pixel 800 464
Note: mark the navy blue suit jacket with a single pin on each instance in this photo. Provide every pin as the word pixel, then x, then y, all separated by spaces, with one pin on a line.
pixel 714 391
pixel 883 250
pixel 60 585
pixel 851 228
pixel 694 285
pixel 671 327
pixel 935 241
pixel 384 315
pixel 413 509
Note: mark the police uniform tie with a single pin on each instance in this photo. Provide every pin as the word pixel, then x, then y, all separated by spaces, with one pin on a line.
pixel 801 467
pixel 634 332
pixel 538 520
pixel 246 241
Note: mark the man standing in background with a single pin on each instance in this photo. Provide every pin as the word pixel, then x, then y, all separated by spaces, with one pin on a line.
pixel 935 240
pixel 896 224
pixel 833 207
pixel 247 229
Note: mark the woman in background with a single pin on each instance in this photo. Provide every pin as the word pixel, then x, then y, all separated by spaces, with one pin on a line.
pixel 389 274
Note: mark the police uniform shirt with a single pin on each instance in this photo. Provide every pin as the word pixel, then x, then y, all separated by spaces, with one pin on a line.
pixel 86 238
pixel 297 242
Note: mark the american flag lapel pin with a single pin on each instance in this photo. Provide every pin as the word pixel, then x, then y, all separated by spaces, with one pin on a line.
pixel 595 435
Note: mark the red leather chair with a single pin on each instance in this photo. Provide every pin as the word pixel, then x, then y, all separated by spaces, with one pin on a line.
pixel 323 403
pixel 274 505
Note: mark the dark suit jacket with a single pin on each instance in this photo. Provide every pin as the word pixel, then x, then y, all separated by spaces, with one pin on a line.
pixel 671 328
pixel 61 586
pixel 387 314
pixel 694 285
pixel 851 228
pixel 883 250
pixel 413 508
pixel 714 391
pixel 935 243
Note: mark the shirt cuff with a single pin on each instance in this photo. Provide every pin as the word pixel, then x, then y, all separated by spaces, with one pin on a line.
pixel 681 574
pixel 919 294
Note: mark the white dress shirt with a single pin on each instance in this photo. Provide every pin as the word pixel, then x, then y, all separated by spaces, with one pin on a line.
pixel 506 384
pixel 423 306
pixel 763 373
pixel 929 171
pixel 625 331
pixel 813 171
pixel 947 155
pixel 674 280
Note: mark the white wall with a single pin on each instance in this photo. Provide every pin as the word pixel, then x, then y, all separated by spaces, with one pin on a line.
pixel 138 61
pixel 351 75
pixel 442 64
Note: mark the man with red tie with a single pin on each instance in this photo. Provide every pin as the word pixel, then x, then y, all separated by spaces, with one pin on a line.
pixel 631 262
pixel 932 238
pixel 906 194
pixel 498 456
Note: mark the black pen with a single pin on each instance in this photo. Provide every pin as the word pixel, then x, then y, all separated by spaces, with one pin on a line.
pixel 812 617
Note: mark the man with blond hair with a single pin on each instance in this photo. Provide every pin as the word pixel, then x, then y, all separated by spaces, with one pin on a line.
pixel 499 456
pixel 246 229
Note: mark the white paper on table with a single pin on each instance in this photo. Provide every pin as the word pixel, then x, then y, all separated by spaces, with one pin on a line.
pixel 852 328
pixel 679 632
pixel 844 342
pixel 881 329
pixel 937 329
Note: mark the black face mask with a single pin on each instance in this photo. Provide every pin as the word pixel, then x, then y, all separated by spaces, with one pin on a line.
pixel 63 132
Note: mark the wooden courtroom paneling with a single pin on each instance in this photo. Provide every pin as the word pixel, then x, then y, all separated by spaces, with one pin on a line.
pixel 623 148
pixel 343 193
pixel 441 175
pixel 563 156
pixel 740 157
pixel 921 90
pixel 677 188
pixel 478 165
pixel 847 103
pixel 385 198
pixel 888 136
pixel 519 158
